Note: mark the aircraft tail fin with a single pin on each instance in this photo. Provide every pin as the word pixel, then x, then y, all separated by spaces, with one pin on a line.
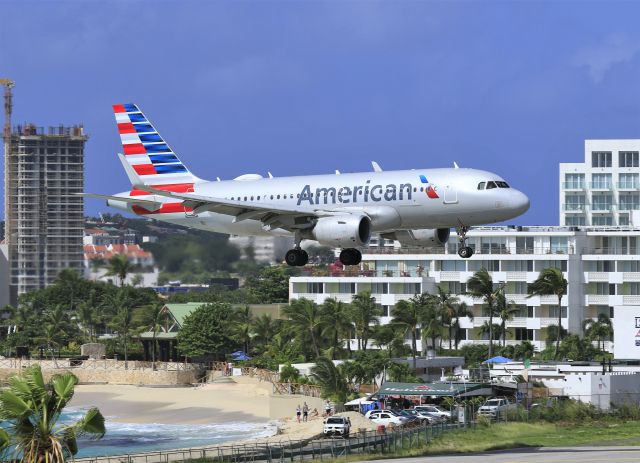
pixel 147 158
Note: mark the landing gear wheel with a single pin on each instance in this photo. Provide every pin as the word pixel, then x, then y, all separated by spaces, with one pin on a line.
pixel 350 256
pixel 296 257
pixel 465 252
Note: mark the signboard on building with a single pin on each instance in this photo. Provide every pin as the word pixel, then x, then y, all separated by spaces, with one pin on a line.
pixel 626 332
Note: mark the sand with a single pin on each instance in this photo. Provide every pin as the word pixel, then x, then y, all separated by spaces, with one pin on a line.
pixel 244 399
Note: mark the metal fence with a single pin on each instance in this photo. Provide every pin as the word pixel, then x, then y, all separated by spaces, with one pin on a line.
pixel 376 442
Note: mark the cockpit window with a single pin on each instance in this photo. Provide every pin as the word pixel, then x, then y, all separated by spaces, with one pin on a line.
pixel 502 184
pixel 481 185
pixel 491 185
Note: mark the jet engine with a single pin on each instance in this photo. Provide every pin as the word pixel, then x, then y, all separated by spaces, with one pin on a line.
pixel 420 238
pixel 344 231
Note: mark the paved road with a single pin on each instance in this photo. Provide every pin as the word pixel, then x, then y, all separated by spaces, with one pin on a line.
pixel 545 455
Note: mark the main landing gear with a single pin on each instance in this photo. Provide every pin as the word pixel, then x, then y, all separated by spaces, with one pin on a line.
pixel 350 256
pixel 464 251
pixel 296 257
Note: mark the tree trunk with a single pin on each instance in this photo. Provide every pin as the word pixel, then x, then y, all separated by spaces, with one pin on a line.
pixel 559 327
pixel 414 345
pixel 126 354
pixel 315 345
pixel 335 343
pixel 504 333
pixel 490 334
pixel 450 334
pixel 153 351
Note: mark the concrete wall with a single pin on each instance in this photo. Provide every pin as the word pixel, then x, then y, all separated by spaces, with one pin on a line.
pixel 600 390
pixel 4 275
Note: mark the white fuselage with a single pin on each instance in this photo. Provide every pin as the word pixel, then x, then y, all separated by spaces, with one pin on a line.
pixel 394 200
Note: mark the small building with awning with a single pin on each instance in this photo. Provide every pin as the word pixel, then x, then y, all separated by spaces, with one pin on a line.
pixel 172 318
pixel 434 390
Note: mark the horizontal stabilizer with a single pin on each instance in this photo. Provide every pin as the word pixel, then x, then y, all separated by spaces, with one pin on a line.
pixel 147 204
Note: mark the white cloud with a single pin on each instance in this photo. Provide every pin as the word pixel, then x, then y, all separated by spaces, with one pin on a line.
pixel 600 58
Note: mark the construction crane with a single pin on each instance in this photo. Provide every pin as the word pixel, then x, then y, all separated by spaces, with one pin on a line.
pixel 8 107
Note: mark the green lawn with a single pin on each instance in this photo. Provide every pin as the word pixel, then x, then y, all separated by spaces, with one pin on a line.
pixel 513 435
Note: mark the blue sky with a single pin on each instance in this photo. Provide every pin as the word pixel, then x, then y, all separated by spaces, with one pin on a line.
pixel 304 87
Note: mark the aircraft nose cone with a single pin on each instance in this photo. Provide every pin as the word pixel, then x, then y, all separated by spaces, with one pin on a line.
pixel 519 202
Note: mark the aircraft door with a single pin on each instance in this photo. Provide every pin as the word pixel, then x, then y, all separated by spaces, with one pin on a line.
pixel 450 195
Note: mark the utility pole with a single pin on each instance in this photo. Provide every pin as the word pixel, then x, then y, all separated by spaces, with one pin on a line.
pixel 6 133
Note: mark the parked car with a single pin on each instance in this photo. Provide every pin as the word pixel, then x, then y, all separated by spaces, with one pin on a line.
pixel 370 412
pixel 426 417
pixel 337 425
pixel 386 417
pixel 434 409
pixel 495 407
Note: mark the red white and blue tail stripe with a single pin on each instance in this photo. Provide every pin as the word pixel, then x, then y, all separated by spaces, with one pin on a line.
pixel 153 161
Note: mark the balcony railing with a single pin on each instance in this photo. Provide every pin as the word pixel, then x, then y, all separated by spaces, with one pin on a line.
pixel 600 185
pixel 574 207
pixel 628 185
pixel 601 208
pixel 573 185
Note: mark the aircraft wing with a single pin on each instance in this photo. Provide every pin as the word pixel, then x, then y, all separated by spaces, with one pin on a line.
pixel 270 216
pixel 146 203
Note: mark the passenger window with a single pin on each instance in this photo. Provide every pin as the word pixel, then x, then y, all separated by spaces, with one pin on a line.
pixel 258 198
pixel 491 185
pixel 481 185
pixel 271 196
pixel 278 196
pixel 421 189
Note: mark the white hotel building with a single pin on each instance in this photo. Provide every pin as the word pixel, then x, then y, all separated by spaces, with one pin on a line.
pixel 601 263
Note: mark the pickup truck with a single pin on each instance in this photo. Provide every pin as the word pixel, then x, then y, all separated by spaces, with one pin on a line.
pixel 337 425
pixel 496 407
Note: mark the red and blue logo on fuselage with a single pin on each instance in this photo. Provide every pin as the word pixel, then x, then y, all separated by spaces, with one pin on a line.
pixel 430 190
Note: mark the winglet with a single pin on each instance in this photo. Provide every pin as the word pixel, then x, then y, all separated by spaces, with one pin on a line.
pixel 337 172
pixel 270 174
pixel 455 165
pixel 376 166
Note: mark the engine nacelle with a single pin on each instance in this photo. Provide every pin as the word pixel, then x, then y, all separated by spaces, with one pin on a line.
pixel 421 237
pixel 345 231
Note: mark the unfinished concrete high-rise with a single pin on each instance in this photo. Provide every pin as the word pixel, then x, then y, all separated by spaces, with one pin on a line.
pixel 43 214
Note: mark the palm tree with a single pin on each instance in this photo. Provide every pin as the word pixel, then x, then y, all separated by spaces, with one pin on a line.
pixel 506 311
pixel 430 320
pixel 365 313
pixel 481 286
pixel 551 281
pixel 154 315
pixel 120 304
pixel 555 332
pixel 304 317
pixel 447 308
pixel 408 314
pixel 87 315
pixel 263 328
pixel 598 330
pixel 461 310
pixel 335 321
pixel 32 410
pixel 524 350
pixel 330 379
pixel 489 330
pixel 242 323
pixel 119 266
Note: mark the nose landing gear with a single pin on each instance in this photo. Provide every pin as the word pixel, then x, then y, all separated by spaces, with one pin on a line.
pixel 464 251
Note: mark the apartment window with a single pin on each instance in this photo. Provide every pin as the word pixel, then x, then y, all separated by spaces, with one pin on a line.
pixel 574 181
pixel 523 334
pixel 553 311
pixel 574 203
pixel 531 311
pixel 629 265
pixel 611 312
pixel 634 289
pixel 542 264
pixel 601 202
pixel 600 221
pixel 558 244
pixel 519 287
pixel 575 221
pixel 493 245
pixel 628 159
pixel 522 311
pixel 489 265
pixel 457 265
pixel 347 288
pixel 524 244
pixel 315 288
pixel 601 181
pixel 385 310
pixel 601 159
pixel 454 287
pixel 629 181
pixel 623 219
pixel 629 201
pixel 601 266
pixel 380 288
pixel 517 265
pixel 412 288
pixel 603 289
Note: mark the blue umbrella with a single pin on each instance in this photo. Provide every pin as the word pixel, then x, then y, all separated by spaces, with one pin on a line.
pixel 241 356
pixel 498 359
pixel 239 352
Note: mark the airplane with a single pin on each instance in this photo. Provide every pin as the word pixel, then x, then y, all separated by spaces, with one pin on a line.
pixel 416 207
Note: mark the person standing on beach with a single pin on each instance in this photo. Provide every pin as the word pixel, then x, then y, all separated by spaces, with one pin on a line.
pixel 327 408
pixel 298 412
pixel 305 412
